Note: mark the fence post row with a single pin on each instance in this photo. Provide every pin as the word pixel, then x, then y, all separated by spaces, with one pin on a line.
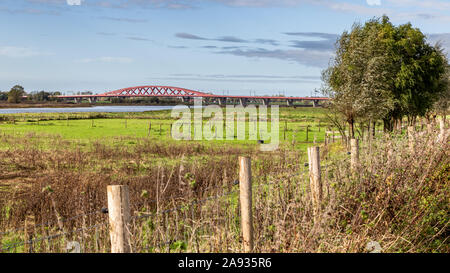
pixel 119 218
pixel 119 211
pixel 118 195
pixel 245 194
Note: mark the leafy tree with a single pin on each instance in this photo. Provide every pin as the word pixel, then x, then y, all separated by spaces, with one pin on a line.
pixel 420 68
pixel 383 72
pixel 15 94
pixel 359 79
pixel 442 105
pixel 4 96
pixel 41 96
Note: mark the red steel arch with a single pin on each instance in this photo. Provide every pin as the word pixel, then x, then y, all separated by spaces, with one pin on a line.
pixel 170 91
pixel 159 91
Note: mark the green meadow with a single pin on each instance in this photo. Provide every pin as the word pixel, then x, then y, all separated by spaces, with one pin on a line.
pixel 156 125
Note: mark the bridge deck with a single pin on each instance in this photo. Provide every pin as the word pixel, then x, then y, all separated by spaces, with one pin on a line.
pixel 169 91
pixel 205 96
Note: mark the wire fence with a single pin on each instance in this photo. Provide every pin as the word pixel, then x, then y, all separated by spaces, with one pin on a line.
pixel 272 181
pixel 62 220
pixel 50 237
pixel 197 202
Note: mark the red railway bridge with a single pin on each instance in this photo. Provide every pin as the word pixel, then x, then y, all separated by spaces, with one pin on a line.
pixel 186 95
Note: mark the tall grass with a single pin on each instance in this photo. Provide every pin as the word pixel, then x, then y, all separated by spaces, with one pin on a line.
pixel 398 197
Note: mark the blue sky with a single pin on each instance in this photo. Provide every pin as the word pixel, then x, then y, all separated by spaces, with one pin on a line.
pixel 221 46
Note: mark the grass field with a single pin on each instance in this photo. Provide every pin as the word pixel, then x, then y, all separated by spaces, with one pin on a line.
pixel 111 126
pixel 54 170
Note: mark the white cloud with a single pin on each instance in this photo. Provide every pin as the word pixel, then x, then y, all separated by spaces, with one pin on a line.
pixel 423 4
pixel 74 2
pixel 121 60
pixel 374 2
pixel 19 52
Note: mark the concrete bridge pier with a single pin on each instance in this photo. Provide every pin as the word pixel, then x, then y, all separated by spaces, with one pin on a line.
pixel 266 102
pixel 92 99
pixel 315 103
pixel 243 101
pixel 78 100
pixel 209 100
pixel 185 99
pixel 290 102
pixel 222 101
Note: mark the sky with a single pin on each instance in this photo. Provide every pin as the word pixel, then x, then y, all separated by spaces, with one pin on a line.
pixel 236 47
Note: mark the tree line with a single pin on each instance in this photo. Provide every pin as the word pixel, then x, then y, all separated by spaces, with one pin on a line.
pixel 386 72
pixel 17 94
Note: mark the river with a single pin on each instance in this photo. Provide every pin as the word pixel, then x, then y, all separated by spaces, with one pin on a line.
pixel 85 109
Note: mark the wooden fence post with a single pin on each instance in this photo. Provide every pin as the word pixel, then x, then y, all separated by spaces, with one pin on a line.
pixel 390 153
pixel 442 135
pixel 315 181
pixel 294 134
pixel 411 138
pixel 245 189
pixel 354 150
pixel 307 131
pixel 119 218
pixel 429 128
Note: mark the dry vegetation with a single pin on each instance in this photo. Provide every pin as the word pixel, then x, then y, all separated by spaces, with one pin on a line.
pixel 398 198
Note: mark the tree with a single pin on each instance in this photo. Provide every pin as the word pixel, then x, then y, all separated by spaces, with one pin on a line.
pixel 443 102
pixel 41 96
pixel 15 94
pixel 376 98
pixel 381 71
pixel 3 95
pixel 358 81
pixel 420 68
